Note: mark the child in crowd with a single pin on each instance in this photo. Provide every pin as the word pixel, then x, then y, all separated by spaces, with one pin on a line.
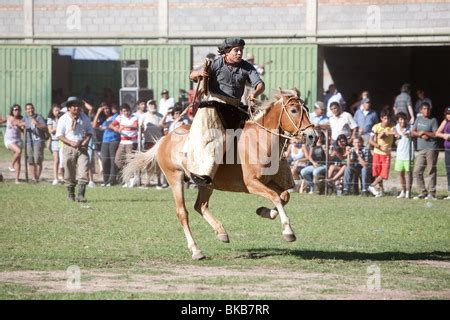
pixel 405 153
pixel 382 138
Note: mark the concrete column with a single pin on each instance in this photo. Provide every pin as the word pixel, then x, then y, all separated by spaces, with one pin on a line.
pixel 163 19
pixel 28 26
pixel 311 19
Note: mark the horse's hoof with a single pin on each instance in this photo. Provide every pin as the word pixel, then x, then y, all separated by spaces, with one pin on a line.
pixel 198 255
pixel 267 213
pixel 289 237
pixel 223 238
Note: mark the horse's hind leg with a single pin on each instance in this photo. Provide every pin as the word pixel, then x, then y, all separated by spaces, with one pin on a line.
pixel 175 180
pixel 256 187
pixel 202 207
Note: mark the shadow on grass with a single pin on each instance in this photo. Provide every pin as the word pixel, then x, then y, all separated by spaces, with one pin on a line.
pixel 346 256
pixel 125 200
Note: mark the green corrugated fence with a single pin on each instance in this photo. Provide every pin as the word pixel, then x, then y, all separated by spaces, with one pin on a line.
pixel 25 76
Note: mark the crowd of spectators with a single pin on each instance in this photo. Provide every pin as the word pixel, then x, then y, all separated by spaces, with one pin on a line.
pixel 354 150
pixel 352 154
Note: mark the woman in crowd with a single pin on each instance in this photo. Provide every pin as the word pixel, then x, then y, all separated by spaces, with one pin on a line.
pixel 444 132
pixel 338 155
pixel 54 144
pixel 110 142
pixel 13 141
pixel 316 171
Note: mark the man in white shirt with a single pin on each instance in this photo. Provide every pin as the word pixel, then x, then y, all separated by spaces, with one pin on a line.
pixel 165 103
pixel 150 124
pixel 75 130
pixel 334 96
pixel 341 123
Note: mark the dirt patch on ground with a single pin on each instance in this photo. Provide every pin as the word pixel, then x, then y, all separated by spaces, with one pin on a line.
pixel 255 283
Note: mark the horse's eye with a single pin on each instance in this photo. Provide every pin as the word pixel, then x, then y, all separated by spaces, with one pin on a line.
pixel 294 110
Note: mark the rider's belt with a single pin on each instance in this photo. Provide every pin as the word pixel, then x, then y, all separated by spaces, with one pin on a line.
pixel 223 99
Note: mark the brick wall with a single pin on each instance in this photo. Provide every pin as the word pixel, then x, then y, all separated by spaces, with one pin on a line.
pixel 11 17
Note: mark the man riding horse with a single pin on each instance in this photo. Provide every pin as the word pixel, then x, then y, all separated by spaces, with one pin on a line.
pixel 226 78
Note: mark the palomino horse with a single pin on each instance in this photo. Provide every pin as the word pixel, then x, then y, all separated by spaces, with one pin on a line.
pixel 282 118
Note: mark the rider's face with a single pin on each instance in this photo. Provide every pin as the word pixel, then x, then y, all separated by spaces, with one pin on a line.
pixel 235 55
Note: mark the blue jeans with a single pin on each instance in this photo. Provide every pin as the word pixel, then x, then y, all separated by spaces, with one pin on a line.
pixel 352 174
pixel 308 173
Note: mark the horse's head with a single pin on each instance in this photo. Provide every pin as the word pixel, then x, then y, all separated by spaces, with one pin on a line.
pixel 294 118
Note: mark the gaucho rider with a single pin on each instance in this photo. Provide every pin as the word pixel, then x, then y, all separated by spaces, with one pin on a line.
pixel 226 78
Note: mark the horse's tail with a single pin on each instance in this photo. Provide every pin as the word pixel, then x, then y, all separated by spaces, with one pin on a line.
pixel 138 161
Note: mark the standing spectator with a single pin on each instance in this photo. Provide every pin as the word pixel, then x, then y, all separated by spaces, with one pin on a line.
pixel 341 123
pixel 318 117
pixel 358 104
pixel 139 114
pixel 381 139
pixel 13 141
pixel 316 171
pixel 334 96
pixel 176 119
pixel 110 142
pixel 165 103
pixel 261 71
pixel 421 98
pixel 296 157
pixel 127 126
pixel 153 130
pixel 52 124
pixel 427 154
pixel 75 130
pixel 35 126
pixel 358 166
pixel 444 133
pixel 365 118
pixel 404 154
pixel 403 103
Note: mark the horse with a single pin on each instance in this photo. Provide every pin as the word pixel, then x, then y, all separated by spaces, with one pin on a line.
pixel 282 118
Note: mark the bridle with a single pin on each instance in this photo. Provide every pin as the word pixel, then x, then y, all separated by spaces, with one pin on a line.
pixel 299 130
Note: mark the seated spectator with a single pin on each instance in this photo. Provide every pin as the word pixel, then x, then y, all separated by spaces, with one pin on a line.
pixel 358 166
pixel 296 156
pixel 316 171
pixel 13 140
pixel 382 139
pixel 341 123
pixel 338 156
pixel 405 154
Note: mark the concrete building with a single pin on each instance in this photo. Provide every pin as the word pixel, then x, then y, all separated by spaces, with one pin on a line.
pixel 360 45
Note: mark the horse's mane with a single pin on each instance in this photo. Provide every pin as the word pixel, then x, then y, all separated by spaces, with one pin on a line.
pixel 260 110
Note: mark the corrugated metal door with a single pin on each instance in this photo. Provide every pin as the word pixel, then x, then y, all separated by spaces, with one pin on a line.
pixel 291 66
pixel 168 67
pixel 25 76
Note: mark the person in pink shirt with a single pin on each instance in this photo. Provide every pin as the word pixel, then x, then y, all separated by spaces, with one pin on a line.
pixel 127 126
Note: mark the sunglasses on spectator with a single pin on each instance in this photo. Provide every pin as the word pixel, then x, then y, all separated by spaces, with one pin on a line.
pixel 16 109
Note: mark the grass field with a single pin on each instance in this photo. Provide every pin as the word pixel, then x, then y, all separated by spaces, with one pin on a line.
pixel 129 244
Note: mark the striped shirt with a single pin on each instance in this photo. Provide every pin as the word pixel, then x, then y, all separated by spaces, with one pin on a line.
pixel 128 135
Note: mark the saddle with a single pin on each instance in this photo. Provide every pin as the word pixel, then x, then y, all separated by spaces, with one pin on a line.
pixel 232 117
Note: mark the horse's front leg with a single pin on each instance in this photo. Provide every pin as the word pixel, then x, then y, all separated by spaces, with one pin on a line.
pixel 256 187
pixel 267 213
